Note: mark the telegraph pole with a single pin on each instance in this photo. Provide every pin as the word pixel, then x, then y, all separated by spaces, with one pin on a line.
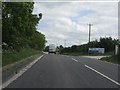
pixel 65 44
pixel 89 25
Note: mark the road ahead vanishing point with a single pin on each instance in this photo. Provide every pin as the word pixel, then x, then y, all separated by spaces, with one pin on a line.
pixel 61 71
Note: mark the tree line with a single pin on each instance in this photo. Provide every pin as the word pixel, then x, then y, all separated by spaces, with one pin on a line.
pixel 19 27
pixel 108 43
pixel 105 42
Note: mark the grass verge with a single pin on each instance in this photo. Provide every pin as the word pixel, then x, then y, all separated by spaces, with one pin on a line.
pixel 112 59
pixel 9 57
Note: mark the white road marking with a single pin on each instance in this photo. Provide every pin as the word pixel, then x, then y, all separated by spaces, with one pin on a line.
pixel 20 73
pixel 74 59
pixel 103 75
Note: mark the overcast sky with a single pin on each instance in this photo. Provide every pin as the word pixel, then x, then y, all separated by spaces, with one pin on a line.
pixel 69 21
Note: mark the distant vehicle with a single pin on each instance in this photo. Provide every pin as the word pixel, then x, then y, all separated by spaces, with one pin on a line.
pixel 96 50
pixel 52 48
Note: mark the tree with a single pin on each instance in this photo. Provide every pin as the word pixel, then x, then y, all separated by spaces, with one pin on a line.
pixel 60 49
pixel 38 41
pixel 74 48
pixel 19 26
pixel 108 44
pixel 46 49
pixel 93 44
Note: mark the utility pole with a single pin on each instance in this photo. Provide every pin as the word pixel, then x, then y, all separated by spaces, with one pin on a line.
pixel 65 44
pixel 89 31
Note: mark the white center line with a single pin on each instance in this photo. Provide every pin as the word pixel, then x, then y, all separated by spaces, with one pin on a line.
pixel 74 59
pixel 103 75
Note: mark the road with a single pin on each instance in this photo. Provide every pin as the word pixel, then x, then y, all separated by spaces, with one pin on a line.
pixel 61 71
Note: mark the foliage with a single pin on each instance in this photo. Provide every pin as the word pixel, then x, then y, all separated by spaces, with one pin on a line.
pixel 9 56
pixel 19 26
pixel 46 49
pixel 113 58
pixel 38 41
pixel 107 43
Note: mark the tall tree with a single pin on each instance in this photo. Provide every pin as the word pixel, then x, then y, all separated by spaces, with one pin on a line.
pixel 19 25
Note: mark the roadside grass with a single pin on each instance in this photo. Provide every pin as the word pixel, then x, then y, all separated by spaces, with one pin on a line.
pixel 9 57
pixel 112 59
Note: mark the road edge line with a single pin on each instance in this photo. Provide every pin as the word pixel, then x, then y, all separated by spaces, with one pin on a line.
pixel 23 70
pixel 102 75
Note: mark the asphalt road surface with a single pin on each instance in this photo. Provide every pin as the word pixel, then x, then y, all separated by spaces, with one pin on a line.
pixel 61 71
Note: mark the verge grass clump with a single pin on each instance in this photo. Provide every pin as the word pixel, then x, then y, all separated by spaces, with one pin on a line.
pixel 12 56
